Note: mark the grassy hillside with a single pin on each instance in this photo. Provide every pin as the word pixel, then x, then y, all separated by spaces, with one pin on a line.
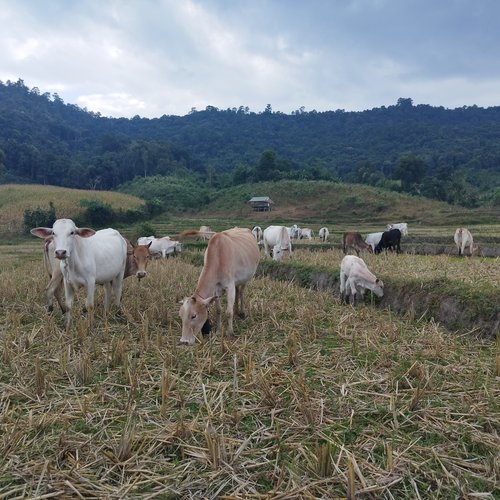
pixel 15 199
pixel 323 201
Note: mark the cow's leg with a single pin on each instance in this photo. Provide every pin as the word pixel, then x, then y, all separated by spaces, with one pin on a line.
pixel 117 290
pixel 352 287
pixel 231 294
pixel 343 294
pixel 107 296
pixel 54 289
pixel 240 304
pixel 69 296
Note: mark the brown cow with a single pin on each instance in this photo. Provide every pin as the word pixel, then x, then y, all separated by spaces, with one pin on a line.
pixel 230 261
pixel 355 240
pixel 137 261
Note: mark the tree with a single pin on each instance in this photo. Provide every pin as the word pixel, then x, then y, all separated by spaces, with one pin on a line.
pixel 266 168
pixel 410 170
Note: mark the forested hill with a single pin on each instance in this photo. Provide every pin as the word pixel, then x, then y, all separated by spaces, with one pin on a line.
pixel 448 154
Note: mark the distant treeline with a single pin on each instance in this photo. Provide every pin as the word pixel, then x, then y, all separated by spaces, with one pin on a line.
pixel 450 155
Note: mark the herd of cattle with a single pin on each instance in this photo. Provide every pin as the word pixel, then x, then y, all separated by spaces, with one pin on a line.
pixel 81 257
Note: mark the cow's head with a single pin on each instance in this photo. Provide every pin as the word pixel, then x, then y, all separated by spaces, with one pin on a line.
pixel 194 316
pixel 378 288
pixel 141 257
pixel 277 252
pixel 63 232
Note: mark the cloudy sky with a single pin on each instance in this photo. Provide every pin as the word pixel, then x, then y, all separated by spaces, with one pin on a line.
pixel 156 57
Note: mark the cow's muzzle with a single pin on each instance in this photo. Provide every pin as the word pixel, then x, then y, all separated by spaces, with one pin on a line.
pixel 61 254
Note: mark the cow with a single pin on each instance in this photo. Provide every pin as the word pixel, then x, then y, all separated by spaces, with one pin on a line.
pixel 294 232
pixel 137 262
pixel 230 261
pixel 390 240
pixel 306 233
pixel 323 234
pixel 354 240
pixel 205 233
pixel 355 278
pixel 373 239
pixel 87 258
pixel 161 246
pixel 463 239
pixel 257 233
pixel 402 226
pixel 276 242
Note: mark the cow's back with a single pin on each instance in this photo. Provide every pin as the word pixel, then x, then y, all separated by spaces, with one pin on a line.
pixel 105 252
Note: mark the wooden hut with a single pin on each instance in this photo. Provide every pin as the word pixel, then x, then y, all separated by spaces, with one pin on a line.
pixel 261 203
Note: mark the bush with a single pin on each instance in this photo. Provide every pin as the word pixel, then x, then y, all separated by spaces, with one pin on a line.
pixel 97 213
pixel 39 217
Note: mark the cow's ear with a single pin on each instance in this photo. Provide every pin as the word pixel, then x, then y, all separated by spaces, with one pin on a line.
pixel 85 232
pixel 210 300
pixel 42 232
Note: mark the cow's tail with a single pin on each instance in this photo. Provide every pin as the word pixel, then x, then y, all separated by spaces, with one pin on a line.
pixel 343 243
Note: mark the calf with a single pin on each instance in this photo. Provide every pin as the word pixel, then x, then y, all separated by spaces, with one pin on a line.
pixel 354 240
pixel 463 239
pixel 390 240
pixel 355 278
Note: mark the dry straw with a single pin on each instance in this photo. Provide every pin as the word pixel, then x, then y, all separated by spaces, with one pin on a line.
pixel 312 399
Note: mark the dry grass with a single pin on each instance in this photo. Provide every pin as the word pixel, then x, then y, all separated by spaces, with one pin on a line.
pixel 16 198
pixel 475 272
pixel 312 400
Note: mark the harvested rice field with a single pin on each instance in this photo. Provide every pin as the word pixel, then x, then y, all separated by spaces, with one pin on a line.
pixel 311 399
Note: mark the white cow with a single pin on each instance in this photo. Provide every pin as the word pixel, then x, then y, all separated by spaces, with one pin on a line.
pixel 276 242
pixel 230 261
pixel 306 233
pixel 294 232
pixel 87 258
pixel 402 226
pixel 257 233
pixel 355 278
pixel 160 246
pixel 137 261
pixel 373 239
pixel 323 234
pixel 463 239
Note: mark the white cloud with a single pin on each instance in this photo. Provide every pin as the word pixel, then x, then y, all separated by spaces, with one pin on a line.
pixel 165 57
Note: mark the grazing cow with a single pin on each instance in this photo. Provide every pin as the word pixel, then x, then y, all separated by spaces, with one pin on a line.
pixel 323 234
pixel 355 278
pixel 390 240
pixel 354 240
pixel 137 261
pixel 402 226
pixel 306 233
pixel 373 239
pixel 230 261
pixel 463 239
pixel 205 233
pixel 257 233
pixel 276 242
pixel 161 246
pixel 294 232
pixel 87 258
